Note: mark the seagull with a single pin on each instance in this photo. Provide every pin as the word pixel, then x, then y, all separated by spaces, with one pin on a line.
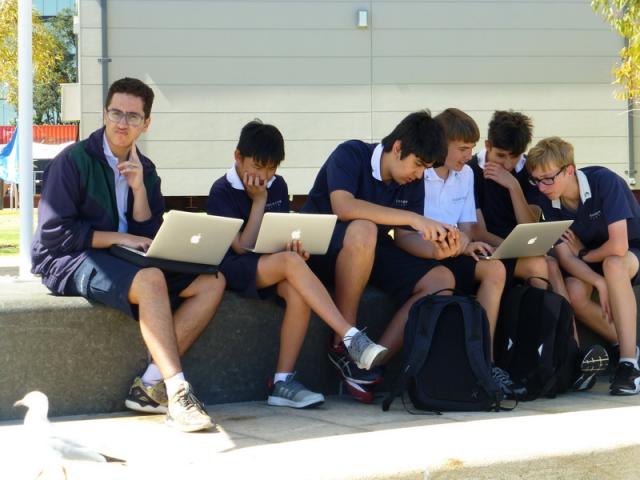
pixel 48 450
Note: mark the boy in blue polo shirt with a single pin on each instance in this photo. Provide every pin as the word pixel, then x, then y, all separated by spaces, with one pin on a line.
pixel 374 188
pixel 249 190
pixel 601 250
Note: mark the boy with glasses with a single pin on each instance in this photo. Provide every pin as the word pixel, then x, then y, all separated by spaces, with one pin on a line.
pixel 601 249
pixel 100 192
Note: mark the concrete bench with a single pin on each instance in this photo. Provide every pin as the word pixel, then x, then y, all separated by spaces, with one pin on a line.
pixel 85 356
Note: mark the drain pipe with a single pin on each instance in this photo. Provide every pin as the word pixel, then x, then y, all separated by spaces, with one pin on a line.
pixel 631 173
pixel 105 60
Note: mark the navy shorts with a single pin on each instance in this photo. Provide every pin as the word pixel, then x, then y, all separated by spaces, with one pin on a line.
pixel 106 279
pixel 463 268
pixel 396 272
pixel 240 273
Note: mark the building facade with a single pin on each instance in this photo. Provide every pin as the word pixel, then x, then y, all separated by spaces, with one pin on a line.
pixel 323 75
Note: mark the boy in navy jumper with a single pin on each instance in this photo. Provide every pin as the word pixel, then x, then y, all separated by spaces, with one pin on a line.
pixel 376 188
pixel 601 249
pixel 103 191
pixel 249 190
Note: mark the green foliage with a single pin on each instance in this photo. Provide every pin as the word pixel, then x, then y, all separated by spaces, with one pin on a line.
pixel 47 51
pixel 624 17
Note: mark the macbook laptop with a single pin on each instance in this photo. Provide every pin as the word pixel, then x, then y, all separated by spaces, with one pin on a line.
pixel 194 238
pixel 277 229
pixel 530 240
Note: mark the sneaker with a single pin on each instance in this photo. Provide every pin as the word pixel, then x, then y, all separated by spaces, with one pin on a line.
pixel 614 355
pixel 360 392
pixel 292 393
pixel 364 352
pixel 509 388
pixel 348 370
pixel 626 380
pixel 594 362
pixel 152 399
pixel 186 412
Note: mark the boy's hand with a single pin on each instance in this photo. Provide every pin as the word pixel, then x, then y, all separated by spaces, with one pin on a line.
pixel 499 174
pixel 296 246
pixel 478 248
pixel 255 188
pixel 448 247
pixel 132 170
pixel 572 241
pixel 431 230
pixel 134 241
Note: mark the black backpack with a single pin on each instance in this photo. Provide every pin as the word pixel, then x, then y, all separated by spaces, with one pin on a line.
pixel 534 340
pixel 447 364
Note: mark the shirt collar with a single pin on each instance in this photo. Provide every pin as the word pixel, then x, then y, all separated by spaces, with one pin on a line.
pixel 482 159
pixel 111 158
pixel 431 175
pixel 583 187
pixel 234 179
pixel 376 162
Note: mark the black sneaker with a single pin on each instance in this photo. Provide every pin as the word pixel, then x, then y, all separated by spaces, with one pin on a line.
pixel 339 358
pixel 626 380
pixel 509 388
pixel 594 362
pixel 145 399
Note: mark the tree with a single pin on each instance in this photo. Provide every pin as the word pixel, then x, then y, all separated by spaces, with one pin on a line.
pixel 624 17
pixel 47 96
pixel 47 51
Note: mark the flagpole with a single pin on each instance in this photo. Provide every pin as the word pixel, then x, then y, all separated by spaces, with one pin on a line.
pixel 25 137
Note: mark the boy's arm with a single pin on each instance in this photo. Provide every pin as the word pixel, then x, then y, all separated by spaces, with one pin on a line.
pixel 524 212
pixel 258 194
pixel 616 245
pixel 480 233
pixel 413 243
pixel 347 208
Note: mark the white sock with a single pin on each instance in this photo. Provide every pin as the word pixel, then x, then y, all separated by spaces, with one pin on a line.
pixel 281 377
pixel 174 383
pixel 152 375
pixel 348 336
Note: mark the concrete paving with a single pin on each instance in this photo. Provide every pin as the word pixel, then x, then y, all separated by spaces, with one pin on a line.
pixel 575 436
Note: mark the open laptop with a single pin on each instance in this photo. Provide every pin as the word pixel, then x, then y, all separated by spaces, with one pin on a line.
pixel 313 229
pixel 193 238
pixel 530 240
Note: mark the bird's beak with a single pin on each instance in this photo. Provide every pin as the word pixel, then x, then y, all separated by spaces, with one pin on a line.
pixel 19 404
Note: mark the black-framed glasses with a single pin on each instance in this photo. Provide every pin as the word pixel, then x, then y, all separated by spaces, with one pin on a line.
pixel 546 181
pixel 131 118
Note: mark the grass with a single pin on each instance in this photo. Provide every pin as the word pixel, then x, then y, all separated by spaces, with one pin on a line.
pixel 10 231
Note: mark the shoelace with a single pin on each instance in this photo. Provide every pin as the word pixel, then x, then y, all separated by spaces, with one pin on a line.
pixel 501 376
pixel 190 402
pixel 359 342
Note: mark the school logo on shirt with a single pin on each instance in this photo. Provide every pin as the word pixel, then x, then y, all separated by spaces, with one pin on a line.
pixel 400 203
pixel 273 205
pixel 595 215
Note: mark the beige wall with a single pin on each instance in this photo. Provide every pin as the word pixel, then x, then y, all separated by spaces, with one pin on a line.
pixel 306 67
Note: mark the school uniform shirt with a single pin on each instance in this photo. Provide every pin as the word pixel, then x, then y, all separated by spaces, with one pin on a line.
pixel 451 200
pixel 494 200
pixel 605 198
pixel 354 166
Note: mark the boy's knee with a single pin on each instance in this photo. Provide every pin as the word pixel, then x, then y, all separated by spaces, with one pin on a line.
pixel 492 271
pixel 361 235
pixel 577 292
pixel 613 266
pixel 150 278
pixel 436 279
pixel 534 267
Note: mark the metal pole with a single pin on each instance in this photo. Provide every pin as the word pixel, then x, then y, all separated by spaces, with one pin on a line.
pixel 25 136
pixel 105 60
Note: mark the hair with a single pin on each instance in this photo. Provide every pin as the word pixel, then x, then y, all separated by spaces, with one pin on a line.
pixel 262 142
pixel 135 87
pixel 510 131
pixel 550 150
pixel 421 135
pixel 458 126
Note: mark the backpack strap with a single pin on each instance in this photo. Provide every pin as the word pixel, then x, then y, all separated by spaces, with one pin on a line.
pixel 509 324
pixel 554 303
pixel 475 346
pixel 421 346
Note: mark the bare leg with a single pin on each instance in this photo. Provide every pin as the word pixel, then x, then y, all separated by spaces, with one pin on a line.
pixel 353 268
pixel 273 269
pixel 294 327
pixel 617 272
pixel 491 275
pixel 589 312
pixel 436 279
pixel 532 267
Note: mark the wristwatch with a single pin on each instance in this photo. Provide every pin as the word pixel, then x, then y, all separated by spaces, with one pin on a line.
pixel 582 253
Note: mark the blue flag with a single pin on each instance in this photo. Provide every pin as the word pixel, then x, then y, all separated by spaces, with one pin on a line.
pixel 9 160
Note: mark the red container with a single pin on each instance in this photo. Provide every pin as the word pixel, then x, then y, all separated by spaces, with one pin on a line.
pixel 49 134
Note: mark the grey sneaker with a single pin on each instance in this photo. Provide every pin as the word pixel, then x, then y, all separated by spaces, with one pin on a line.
pixel 145 399
pixel 186 412
pixel 364 352
pixel 292 393
pixel 509 388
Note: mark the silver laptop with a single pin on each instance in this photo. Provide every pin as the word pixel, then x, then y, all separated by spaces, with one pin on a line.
pixel 313 229
pixel 193 237
pixel 530 239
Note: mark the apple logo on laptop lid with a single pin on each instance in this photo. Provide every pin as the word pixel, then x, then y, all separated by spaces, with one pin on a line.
pixel 195 239
pixel 532 241
pixel 296 235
